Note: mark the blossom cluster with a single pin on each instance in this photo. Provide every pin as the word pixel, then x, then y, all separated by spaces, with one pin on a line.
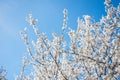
pixel 93 51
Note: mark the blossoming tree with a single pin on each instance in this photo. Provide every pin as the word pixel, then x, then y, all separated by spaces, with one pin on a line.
pixel 2 74
pixel 93 51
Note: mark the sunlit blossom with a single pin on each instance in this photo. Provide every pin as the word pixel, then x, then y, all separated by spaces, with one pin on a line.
pixel 93 50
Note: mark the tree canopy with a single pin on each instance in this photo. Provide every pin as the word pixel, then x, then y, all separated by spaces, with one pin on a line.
pixel 91 53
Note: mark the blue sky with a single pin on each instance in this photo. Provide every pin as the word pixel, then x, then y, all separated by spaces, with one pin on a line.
pixel 50 18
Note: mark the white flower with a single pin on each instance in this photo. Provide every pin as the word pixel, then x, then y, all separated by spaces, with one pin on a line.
pixel 31 20
pixel 87 19
pixel 65 19
pixel 118 8
pixel 65 12
pixel 107 2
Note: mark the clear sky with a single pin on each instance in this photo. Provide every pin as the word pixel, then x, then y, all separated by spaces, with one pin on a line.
pixel 50 17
